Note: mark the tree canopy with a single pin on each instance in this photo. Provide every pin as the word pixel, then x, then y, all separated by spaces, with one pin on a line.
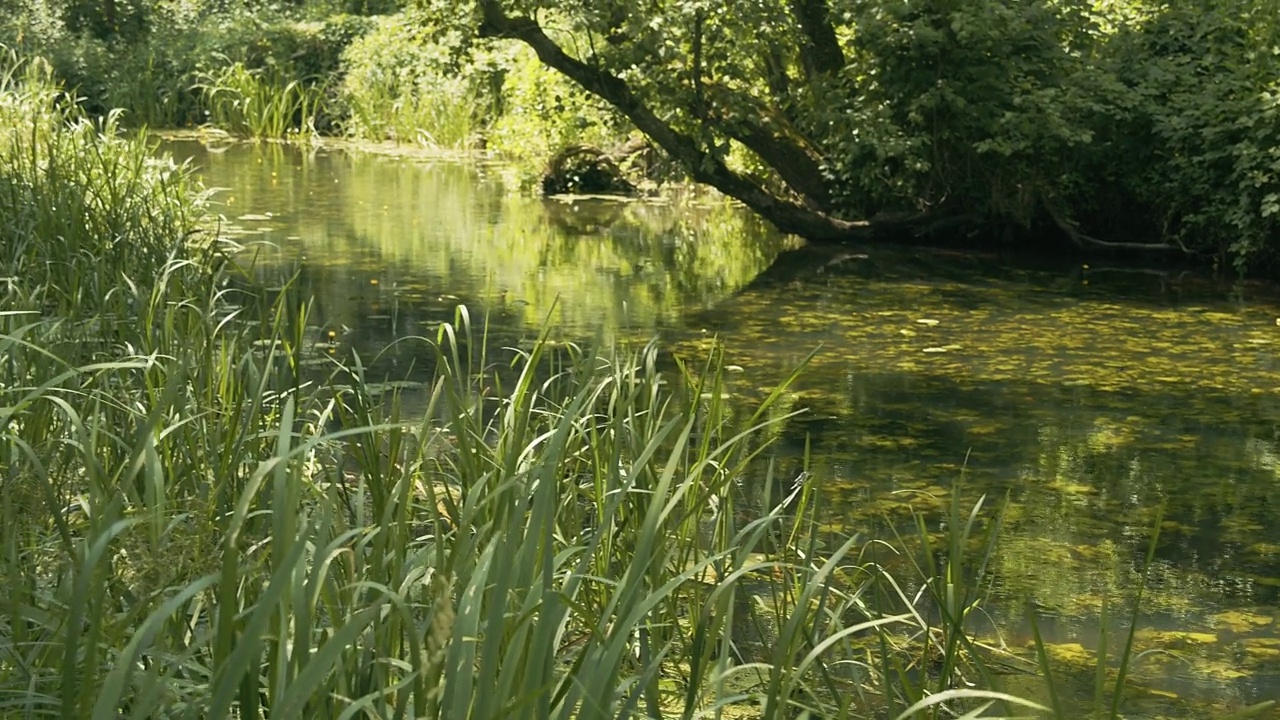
pixel 1126 123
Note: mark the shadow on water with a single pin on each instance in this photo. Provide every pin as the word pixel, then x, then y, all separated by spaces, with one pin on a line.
pixel 1091 396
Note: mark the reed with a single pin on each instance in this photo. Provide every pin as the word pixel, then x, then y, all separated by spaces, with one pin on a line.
pixel 433 111
pixel 260 102
pixel 92 219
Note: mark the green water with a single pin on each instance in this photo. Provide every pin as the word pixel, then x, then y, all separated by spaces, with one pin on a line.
pixel 1091 397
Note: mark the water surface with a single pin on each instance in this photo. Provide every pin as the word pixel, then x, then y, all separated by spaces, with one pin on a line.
pixel 1090 397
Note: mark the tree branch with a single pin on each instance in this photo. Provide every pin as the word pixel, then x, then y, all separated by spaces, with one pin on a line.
pixel 822 53
pixel 773 139
pixel 1082 241
pixel 787 215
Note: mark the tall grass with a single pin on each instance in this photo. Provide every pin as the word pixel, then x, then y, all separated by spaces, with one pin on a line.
pixel 203 516
pixel 91 219
pixel 398 85
pixel 437 112
pixel 260 102
pixel 154 90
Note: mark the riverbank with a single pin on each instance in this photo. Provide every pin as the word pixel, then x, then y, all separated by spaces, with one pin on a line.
pixel 1067 145
pixel 311 71
pixel 208 512
pixel 183 537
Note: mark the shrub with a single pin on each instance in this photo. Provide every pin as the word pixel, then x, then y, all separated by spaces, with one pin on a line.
pixel 1199 145
pixel 400 83
pixel 542 113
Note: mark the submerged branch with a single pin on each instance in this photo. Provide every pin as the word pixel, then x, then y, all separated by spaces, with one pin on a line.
pixel 1084 241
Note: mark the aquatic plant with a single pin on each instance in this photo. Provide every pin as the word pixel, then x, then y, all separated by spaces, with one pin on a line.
pixel 91 218
pixel 398 86
pixel 261 102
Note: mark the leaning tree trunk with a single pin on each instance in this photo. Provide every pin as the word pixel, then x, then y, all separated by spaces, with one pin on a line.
pixel 812 220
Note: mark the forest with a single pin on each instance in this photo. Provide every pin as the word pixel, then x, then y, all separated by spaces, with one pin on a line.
pixel 1100 126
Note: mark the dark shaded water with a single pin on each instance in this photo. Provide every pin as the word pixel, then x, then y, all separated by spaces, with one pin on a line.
pixel 1092 396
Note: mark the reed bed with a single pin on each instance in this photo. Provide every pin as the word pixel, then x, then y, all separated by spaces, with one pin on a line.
pixel 260 103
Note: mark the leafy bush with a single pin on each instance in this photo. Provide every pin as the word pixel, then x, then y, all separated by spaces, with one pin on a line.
pixel 157 76
pixel 978 104
pixel 1137 122
pixel 126 20
pixel 1199 145
pixel 421 79
pixel 405 82
pixel 542 113
pixel 149 76
pixel 184 539
pixel 559 534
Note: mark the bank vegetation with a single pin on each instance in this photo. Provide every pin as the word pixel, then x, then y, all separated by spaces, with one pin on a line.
pixel 1104 127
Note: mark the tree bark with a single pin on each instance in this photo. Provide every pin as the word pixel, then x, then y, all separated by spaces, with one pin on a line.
pixel 772 138
pixel 787 215
pixel 822 54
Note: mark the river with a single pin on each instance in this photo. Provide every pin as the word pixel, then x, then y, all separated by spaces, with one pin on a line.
pixel 1089 396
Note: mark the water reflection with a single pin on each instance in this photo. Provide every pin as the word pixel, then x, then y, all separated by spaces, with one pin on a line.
pixel 386 240
pixel 1092 397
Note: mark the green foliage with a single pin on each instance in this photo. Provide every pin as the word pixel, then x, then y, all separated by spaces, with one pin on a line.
pixel 126 20
pixel 1198 144
pixel 70 184
pixel 975 103
pixel 418 79
pixel 1136 121
pixel 267 72
pixel 262 38
pixel 283 61
pixel 262 103
pixel 403 82
pixel 196 524
pixel 157 76
pixel 184 539
pixel 542 113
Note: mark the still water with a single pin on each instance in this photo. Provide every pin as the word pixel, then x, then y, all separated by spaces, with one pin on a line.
pixel 1089 396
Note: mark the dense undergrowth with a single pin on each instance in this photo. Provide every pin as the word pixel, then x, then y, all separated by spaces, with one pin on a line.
pixel 295 72
pixel 206 514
